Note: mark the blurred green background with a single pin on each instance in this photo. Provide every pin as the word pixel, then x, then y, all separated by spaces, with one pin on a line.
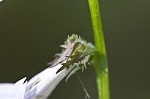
pixel 32 30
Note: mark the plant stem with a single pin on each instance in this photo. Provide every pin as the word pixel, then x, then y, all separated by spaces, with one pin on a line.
pixel 101 66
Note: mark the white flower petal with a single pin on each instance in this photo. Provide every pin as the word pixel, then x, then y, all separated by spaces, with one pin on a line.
pixel 21 91
pixel 6 91
pixel 42 85
pixel 18 84
pixel 13 91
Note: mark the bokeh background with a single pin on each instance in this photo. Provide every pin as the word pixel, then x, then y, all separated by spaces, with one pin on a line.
pixel 32 30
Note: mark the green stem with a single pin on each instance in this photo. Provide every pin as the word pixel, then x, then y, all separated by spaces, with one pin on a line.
pixel 101 66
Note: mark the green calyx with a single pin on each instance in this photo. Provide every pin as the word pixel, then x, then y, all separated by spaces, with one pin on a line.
pixel 76 51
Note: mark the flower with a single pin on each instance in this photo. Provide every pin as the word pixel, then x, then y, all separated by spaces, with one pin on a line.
pixel 76 55
pixel 39 87
pixel 42 85
pixel 13 91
